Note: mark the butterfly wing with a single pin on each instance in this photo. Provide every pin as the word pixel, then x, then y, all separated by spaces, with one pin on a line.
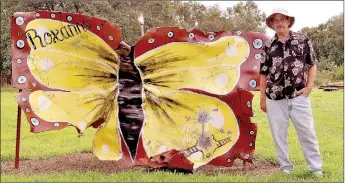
pixel 174 66
pixel 68 71
pixel 201 123
pixel 178 55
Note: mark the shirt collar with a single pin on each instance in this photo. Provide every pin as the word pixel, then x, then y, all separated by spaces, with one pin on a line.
pixel 293 35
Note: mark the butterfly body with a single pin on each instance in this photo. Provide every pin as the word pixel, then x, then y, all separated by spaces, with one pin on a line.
pixel 131 115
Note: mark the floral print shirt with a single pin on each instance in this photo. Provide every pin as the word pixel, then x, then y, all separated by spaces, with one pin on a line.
pixel 286 64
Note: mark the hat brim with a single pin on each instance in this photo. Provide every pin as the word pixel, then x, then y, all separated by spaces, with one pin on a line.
pixel 269 20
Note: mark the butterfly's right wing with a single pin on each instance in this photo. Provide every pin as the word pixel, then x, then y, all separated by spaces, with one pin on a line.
pixel 200 123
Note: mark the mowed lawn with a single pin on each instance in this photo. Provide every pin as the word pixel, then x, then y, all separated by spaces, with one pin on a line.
pixel 328 115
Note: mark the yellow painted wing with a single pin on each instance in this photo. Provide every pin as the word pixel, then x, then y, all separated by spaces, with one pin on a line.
pixel 212 67
pixel 81 62
pixel 86 68
pixel 107 142
pixel 201 127
pixel 81 110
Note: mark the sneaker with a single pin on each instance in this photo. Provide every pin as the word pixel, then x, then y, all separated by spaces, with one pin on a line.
pixel 287 172
pixel 318 173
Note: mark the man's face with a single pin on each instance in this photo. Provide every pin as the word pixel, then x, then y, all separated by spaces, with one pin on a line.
pixel 280 23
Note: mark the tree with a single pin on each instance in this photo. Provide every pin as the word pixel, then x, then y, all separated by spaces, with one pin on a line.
pixel 247 17
pixel 243 17
pixel 328 43
pixel 214 20
pixel 189 14
pixel 328 40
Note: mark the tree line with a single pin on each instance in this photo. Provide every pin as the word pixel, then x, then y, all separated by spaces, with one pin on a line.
pixel 328 37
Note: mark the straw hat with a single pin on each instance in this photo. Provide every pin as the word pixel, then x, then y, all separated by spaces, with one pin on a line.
pixel 280 11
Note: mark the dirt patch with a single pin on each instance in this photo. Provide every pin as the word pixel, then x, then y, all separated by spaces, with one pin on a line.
pixel 85 162
pixel 259 169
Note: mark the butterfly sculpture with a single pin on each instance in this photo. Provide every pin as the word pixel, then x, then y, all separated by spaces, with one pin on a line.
pixel 177 98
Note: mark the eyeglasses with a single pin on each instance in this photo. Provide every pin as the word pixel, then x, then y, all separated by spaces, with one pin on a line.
pixel 276 21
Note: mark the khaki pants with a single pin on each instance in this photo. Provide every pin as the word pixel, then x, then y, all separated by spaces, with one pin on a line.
pixel 299 110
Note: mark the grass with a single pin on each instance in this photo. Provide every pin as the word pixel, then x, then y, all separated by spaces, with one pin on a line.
pixel 157 177
pixel 328 115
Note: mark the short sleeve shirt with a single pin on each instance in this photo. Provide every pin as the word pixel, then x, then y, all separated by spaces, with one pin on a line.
pixel 285 65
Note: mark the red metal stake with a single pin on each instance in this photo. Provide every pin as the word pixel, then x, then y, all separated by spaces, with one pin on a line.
pixel 19 117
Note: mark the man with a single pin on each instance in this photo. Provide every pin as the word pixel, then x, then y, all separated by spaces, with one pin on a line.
pixel 288 69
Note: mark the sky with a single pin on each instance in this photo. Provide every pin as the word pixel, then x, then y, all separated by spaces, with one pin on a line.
pixel 306 13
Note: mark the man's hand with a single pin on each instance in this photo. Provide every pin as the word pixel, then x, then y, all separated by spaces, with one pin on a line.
pixel 305 91
pixel 263 104
pixel 311 77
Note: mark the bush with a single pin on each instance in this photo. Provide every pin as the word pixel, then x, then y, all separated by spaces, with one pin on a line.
pixel 326 65
pixel 339 74
pixel 323 77
pixel 327 72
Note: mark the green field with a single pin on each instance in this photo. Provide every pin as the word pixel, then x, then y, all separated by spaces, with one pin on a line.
pixel 328 115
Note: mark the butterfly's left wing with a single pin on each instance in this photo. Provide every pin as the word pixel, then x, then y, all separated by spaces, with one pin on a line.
pixel 67 66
